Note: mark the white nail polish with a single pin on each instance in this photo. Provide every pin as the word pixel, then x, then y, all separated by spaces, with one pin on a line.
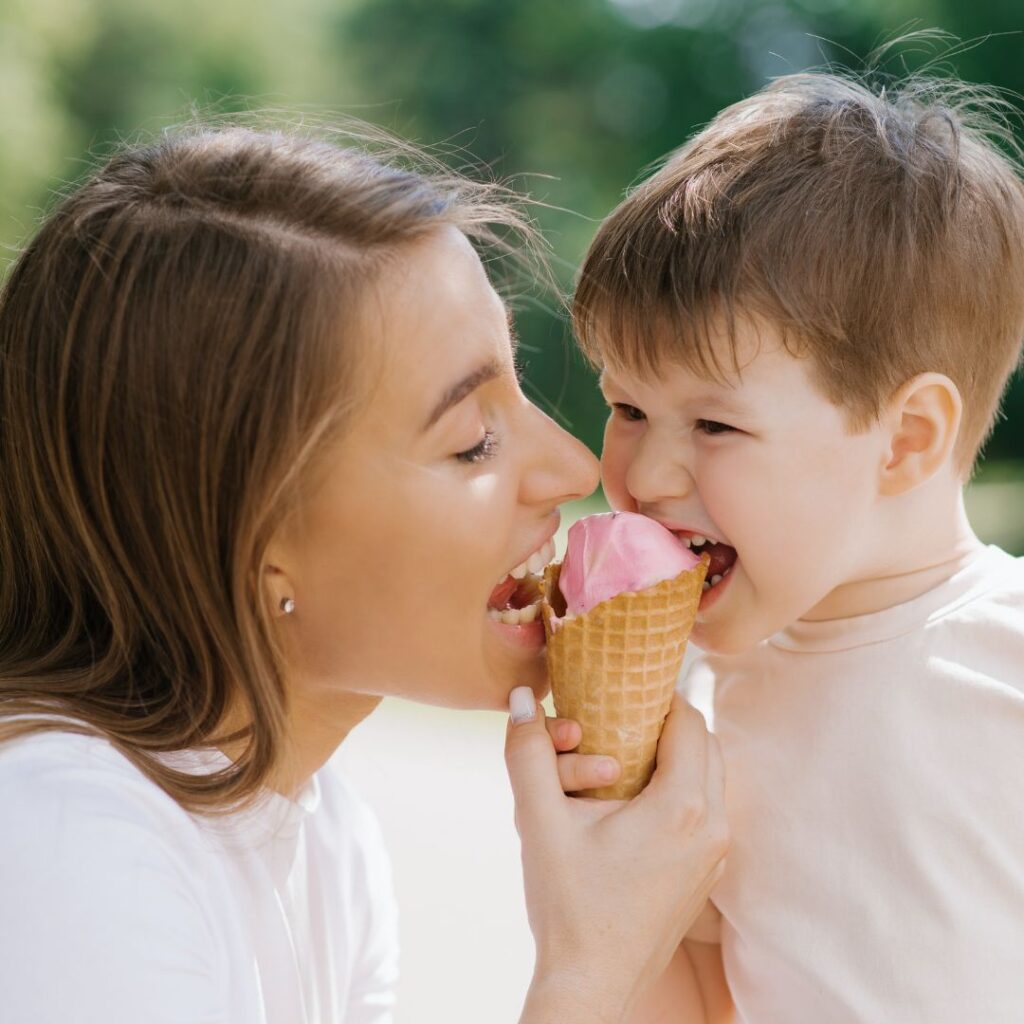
pixel 522 705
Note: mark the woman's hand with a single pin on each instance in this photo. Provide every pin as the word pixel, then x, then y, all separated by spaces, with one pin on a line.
pixel 612 886
pixel 578 771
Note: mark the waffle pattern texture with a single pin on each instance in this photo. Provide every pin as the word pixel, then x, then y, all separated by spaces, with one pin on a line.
pixel 614 669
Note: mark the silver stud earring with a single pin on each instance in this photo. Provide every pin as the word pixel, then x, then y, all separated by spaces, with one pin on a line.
pixel 287 605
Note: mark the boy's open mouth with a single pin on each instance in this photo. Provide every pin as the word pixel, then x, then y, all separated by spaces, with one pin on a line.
pixel 723 557
pixel 515 601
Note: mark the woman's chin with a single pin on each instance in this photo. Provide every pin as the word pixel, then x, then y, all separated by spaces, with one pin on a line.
pixel 505 674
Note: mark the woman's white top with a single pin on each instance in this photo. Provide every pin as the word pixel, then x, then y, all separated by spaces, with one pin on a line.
pixel 116 905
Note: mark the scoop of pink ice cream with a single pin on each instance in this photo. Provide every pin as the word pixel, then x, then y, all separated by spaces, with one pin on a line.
pixel 614 552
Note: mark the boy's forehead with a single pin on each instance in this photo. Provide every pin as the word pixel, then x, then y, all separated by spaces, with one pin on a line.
pixel 750 362
pixel 679 383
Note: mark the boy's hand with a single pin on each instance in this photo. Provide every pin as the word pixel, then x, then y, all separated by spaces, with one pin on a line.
pixel 612 886
pixel 579 771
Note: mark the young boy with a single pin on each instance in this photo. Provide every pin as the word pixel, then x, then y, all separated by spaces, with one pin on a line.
pixel 805 322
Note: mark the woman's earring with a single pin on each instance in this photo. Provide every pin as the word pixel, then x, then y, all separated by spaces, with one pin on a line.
pixel 287 605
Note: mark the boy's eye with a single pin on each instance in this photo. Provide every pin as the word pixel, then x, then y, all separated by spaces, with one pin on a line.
pixel 486 449
pixel 628 412
pixel 713 427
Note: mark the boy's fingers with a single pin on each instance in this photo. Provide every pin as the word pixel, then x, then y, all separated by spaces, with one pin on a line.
pixel 565 733
pixel 586 771
pixel 531 762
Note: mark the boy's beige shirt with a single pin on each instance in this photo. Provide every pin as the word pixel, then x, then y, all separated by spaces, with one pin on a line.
pixel 875 791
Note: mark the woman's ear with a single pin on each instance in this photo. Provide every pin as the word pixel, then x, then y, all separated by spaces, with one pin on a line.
pixel 279 587
pixel 924 420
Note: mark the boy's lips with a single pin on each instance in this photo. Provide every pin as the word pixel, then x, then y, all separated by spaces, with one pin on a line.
pixel 714 591
pixel 723 556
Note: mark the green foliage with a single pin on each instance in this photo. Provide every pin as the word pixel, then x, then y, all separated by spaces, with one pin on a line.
pixel 570 100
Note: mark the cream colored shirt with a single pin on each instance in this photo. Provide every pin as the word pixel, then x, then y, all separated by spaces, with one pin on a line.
pixel 875 791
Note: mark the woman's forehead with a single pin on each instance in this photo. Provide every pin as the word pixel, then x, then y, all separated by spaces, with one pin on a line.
pixel 435 321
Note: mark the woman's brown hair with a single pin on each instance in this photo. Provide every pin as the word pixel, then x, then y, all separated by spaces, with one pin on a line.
pixel 175 349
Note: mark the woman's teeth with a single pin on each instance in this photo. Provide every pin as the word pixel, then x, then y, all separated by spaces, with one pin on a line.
pixel 515 616
pixel 535 562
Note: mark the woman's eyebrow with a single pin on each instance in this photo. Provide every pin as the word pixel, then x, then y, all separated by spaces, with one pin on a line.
pixel 466 386
pixel 480 376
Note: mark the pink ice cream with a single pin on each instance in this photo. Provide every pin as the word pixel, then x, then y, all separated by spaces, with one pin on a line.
pixel 615 552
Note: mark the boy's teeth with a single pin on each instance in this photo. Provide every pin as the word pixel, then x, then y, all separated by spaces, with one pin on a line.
pixel 706 585
pixel 715 579
pixel 698 541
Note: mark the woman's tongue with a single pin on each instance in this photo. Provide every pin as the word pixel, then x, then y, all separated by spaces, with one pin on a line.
pixel 502 593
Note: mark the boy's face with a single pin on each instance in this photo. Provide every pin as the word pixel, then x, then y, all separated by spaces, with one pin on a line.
pixel 765 465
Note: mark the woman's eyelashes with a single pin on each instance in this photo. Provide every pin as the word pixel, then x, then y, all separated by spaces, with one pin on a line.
pixel 634 415
pixel 486 449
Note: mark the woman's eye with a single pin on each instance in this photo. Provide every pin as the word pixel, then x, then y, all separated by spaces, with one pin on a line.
pixel 628 412
pixel 486 449
pixel 713 427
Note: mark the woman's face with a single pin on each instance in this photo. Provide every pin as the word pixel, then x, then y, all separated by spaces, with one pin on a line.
pixel 447 479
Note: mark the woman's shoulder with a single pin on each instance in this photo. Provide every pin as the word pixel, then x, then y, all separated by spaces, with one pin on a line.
pixel 345 813
pixel 66 795
pixel 104 885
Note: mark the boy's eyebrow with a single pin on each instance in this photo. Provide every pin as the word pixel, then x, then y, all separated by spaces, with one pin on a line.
pixel 715 401
pixel 724 403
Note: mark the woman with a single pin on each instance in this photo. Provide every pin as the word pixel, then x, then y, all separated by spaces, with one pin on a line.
pixel 265 460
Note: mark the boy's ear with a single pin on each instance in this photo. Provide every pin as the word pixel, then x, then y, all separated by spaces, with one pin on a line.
pixel 924 419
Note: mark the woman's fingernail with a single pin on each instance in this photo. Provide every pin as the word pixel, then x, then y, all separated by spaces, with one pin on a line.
pixel 606 769
pixel 522 705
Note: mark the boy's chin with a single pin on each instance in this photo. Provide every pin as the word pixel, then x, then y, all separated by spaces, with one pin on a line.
pixel 720 639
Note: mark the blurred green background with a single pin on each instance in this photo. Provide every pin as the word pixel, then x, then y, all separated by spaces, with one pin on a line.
pixel 570 98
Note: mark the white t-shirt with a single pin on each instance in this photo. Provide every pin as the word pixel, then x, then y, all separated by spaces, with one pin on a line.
pixel 875 792
pixel 118 907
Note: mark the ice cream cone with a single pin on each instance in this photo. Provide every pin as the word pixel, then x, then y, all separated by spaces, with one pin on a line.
pixel 614 668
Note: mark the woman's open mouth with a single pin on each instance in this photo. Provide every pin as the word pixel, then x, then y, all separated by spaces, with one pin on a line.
pixel 515 601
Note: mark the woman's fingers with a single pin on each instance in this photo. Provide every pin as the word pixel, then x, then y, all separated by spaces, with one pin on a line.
pixel 682 752
pixel 531 763
pixel 565 733
pixel 586 771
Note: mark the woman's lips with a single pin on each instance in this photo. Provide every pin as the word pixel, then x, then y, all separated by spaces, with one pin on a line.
pixel 529 634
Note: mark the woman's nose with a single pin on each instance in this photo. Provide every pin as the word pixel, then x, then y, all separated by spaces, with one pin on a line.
pixel 564 468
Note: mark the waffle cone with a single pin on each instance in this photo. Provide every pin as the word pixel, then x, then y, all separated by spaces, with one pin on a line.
pixel 614 669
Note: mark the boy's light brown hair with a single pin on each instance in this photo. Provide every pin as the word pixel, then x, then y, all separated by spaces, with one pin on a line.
pixel 883 232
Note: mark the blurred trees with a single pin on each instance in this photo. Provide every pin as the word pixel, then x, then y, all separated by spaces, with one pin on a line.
pixel 571 99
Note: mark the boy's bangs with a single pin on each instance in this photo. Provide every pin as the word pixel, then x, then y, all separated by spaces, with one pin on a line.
pixel 643 337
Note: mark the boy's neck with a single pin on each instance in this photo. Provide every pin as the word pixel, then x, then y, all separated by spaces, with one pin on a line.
pixel 926 546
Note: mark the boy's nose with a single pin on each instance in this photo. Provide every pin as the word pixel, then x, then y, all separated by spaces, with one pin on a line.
pixel 656 473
